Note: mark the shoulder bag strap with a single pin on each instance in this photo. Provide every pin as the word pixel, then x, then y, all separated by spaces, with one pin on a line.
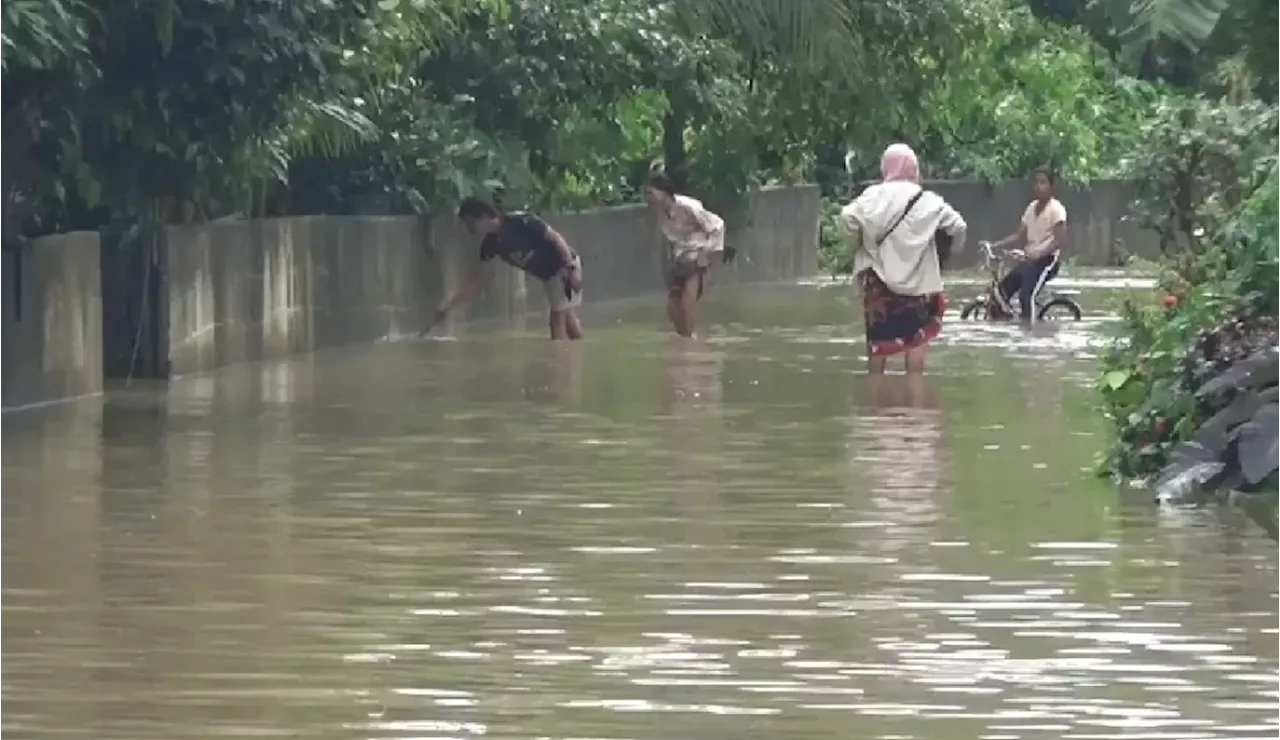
pixel 910 204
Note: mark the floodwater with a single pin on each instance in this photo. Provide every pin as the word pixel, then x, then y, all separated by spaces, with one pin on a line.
pixel 629 537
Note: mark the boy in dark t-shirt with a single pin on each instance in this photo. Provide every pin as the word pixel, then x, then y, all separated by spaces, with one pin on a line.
pixel 528 243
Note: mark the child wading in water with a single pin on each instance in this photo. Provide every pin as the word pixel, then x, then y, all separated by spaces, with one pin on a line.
pixel 695 236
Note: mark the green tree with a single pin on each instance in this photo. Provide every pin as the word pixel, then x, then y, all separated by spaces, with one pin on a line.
pixel 45 60
pixel 152 110
pixel 191 109
pixel 227 74
pixel 1180 41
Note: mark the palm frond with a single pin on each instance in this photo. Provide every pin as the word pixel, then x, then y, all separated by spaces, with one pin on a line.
pixel 323 129
pixel 1188 22
pixel 41 34
pixel 327 129
pixel 806 31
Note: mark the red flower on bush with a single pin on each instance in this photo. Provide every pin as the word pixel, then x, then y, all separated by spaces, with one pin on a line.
pixel 1169 301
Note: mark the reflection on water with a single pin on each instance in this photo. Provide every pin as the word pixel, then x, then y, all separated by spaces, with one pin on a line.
pixel 1086 278
pixel 895 446
pixel 507 537
pixel 693 373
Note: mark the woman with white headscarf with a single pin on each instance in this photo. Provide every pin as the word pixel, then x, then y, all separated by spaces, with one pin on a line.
pixel 895 227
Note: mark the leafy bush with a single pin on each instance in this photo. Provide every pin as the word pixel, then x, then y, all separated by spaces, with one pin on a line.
pixel 1200 160
pixel 1038 96
pixel 1140 381
pixel 835 256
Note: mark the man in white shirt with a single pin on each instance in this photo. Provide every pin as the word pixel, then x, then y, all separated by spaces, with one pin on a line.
pixel 1044 232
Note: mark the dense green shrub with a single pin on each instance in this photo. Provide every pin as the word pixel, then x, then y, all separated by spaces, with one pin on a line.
pixel 1209 186
pixel 1199 160
pixel 835 256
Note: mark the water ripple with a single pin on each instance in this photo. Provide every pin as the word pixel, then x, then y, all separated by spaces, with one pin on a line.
pixel 498 537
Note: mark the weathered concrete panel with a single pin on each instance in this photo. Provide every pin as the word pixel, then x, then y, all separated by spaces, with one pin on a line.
pixel 247 291
pixel 52 332
pixel 1099 233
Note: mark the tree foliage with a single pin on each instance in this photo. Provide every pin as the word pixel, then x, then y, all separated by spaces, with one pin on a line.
pixel 1187 43
pixel 184 110
pixel 1203 160
pixel 157 107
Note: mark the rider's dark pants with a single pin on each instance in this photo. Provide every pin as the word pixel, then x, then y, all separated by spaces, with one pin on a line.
pixel 1027 280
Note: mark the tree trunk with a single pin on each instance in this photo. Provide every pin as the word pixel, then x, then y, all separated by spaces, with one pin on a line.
pixel 673 151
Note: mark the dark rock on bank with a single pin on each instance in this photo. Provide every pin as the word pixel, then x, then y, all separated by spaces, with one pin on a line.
pixel 1233 455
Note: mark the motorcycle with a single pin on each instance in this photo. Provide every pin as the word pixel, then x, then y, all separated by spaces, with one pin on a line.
pixel 1050 304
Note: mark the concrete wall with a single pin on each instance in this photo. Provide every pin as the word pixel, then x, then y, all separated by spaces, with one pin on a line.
pixel 251 290
pixel 1098 232
pixel 52 330
pixel 230 292
pixel 244 291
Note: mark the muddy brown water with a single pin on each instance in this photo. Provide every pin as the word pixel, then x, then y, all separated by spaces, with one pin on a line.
pixel 630 537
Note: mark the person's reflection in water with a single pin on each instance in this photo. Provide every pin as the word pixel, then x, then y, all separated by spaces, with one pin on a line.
pixel 1046 394
pixel 903 393
pixel 896 438
pixel 692 397
pixel 554 375
pixel 692 379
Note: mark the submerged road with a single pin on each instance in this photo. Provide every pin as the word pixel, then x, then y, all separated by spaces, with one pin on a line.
pixel 628 537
